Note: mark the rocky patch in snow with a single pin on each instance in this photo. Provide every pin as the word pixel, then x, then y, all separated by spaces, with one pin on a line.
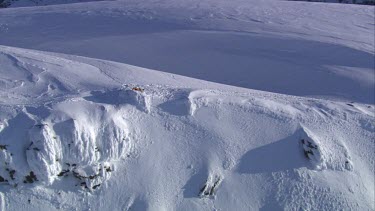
pixel 210 187
pixel 325 154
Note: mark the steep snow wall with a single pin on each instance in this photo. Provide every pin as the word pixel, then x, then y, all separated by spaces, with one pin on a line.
pixel 52 149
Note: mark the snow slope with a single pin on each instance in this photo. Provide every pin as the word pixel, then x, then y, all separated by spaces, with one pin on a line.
pixel 276 46
pixel 27 3
pixel 80 133
pixel 69 120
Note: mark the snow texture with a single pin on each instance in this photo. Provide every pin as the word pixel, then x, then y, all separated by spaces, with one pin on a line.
pixel 277 111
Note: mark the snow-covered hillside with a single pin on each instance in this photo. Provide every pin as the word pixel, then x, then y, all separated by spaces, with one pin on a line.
pixel 93 140
pixel 298 48
pixel 79 133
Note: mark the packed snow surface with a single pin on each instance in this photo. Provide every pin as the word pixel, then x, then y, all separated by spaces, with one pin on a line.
pixel 277 111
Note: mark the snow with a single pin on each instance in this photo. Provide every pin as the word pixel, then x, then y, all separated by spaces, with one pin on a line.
pixel 276 46
pixel 277 111
pixel 28 3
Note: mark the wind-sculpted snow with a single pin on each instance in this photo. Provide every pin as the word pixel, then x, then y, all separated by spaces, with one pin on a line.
pixel 66 141
pixel 123 96
pixel 87 134
pixel 44 153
